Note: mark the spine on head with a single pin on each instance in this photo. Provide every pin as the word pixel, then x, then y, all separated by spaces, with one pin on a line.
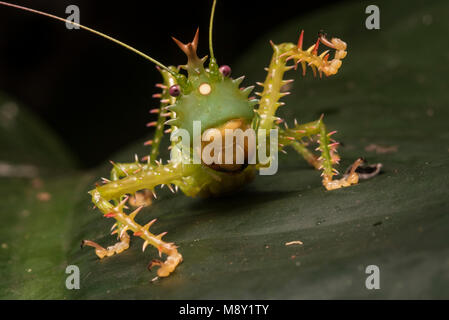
pixel 194 63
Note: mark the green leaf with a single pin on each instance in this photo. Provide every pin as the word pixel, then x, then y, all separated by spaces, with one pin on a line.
pixel 391 91
pixel 36 205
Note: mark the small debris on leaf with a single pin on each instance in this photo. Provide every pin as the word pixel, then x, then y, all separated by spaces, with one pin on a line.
pixel 293 242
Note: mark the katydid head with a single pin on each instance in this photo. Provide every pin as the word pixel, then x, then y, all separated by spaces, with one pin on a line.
pixel 208 94
pixel 211 97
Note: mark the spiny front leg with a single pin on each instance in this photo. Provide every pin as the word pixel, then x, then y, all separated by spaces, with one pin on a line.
pixel 274 82
pixel 328 148
pixel 119 170
pixel 147 178
pixel 129 224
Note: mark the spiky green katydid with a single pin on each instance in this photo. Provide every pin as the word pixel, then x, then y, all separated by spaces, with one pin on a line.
pixel 207 94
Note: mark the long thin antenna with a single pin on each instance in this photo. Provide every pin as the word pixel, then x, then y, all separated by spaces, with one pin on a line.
pixel 90 30
pixel 211 27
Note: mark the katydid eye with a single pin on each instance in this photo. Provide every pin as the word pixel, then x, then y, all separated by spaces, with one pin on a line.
pixel 225 70
pixel 175 90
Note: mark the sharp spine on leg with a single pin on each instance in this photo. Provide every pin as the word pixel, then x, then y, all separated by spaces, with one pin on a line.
pixel 133 214
pixel 149 224
pixel 145 244
pixel 125 228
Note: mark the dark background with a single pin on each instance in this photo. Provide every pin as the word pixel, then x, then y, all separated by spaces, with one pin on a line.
pixel 95 94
